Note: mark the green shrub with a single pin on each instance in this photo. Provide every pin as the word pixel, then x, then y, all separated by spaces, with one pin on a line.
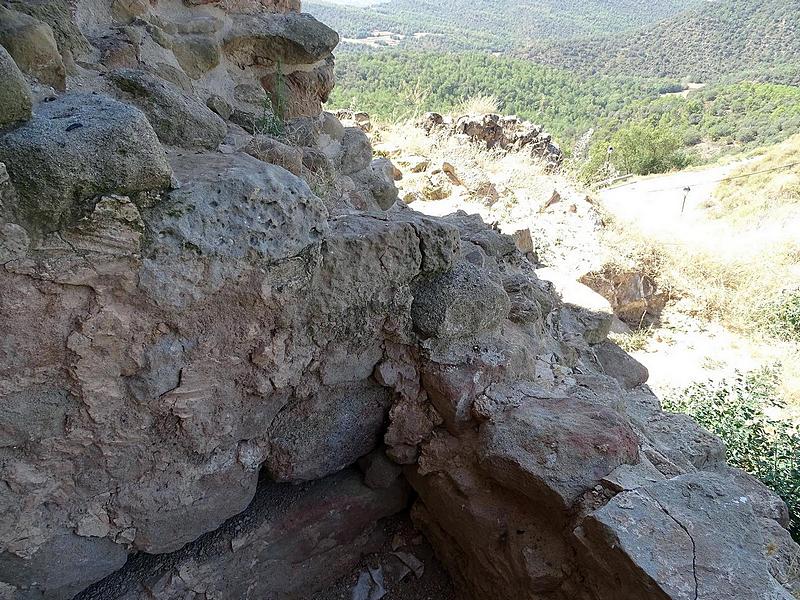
pixel 741 412
pixel 643 148
pixel 786 324
pixel 779 316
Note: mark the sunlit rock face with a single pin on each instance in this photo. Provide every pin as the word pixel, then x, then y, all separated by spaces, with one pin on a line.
pixel 213 308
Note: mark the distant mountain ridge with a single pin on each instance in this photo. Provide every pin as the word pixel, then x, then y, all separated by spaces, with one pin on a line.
pixel 754 39
pixel 496 24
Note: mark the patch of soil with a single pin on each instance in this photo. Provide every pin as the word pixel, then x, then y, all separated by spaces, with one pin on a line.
pixel 403 544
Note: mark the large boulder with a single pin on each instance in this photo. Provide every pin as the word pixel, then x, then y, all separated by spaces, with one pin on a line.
pixel 343 425
pixel 76 148
pixel 289 39
pixel 356 152
pixel 459 303
pixel 228 209
pixel 15 94
pixel 304 90
pixel 177 119
pixel 633 295
pixel 197 53
pixel 292 55
pixel 707 546
pixel 249 107
pixel 33 47
pixel 378 181
pixel 553 450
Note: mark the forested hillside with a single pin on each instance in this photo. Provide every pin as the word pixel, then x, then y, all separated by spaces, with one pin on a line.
pixel 600 65
pixel 495 24
pixel 399 84
pixel 744 39
pixel 394 85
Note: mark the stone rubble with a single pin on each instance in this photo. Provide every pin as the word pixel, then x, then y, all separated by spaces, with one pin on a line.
pixel 213 307
pixel 493 131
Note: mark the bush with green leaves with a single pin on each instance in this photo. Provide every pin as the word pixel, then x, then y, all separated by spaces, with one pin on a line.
pixel 644 148
pixel 784 311
pixel 742 412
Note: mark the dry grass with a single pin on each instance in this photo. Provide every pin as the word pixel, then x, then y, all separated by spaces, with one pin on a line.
pixel 634 341
pixel 736 288
pixel 732 288
pixel 480 104
pixel 756 195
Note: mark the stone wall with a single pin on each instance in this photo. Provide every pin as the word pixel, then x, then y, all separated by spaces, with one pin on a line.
pixel 209 316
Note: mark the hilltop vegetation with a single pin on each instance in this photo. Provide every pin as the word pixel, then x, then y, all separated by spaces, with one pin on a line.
pixel 687 39
pixel 620 72
pixel 495 24
pixel 746 39
pixel 394 85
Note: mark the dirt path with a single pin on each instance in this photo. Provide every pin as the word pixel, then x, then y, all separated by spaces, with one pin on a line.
pixel 684 349
pixel 656 204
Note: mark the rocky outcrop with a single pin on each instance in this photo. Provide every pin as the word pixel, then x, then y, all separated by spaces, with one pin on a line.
pixel 493 131
pixel 633 295
pixel 200 344
pixel 15 94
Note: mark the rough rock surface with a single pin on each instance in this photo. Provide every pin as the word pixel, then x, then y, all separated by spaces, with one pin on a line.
pixel 15 94
pixel 508 133
pixel 177 119
pixel 315 529
pixel 275 152
pixel 198 345
pixel 56 166
pixel 633 295
pixel 32 45
pixel 684 561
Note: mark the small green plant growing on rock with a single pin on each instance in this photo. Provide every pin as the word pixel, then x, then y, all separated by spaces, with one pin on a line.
pixel 745 413
pixel 273 115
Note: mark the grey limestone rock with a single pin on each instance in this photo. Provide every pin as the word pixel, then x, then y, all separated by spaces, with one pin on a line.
pixel 15 93
pixel 177 119
pixel 706 547
pixel 75 148
pixel 228 209
pixel 458 303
